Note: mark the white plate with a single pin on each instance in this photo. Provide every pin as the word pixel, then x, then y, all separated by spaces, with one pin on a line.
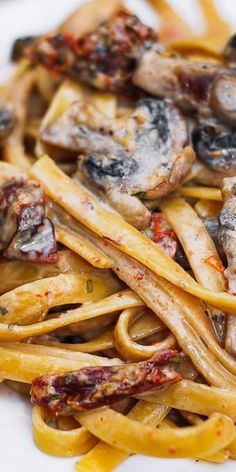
pixel 17 450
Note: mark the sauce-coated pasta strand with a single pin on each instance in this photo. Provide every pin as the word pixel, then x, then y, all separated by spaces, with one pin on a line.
pixel 83 247
pixel 142 328
pixel 205 193
pixel 197 398
pixel 118 301
pixel 215 25
pixel 30 302
pixel 104 457
pixel 180 312
pixel 24 363
pixel 89 15
pixel 18 95
pixel 144 282
pixel 218 457
pixel 130 349
pixel 172 26
pixel 194 237
pixel 115 293
pixel 129 435
pixel 111 227
pixel 59 443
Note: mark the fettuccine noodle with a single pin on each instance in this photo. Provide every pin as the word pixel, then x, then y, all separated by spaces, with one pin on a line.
pixel 117 236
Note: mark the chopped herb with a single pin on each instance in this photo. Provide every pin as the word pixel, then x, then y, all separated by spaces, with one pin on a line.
pixel 89 286
pixel 3 310
pixel 140 194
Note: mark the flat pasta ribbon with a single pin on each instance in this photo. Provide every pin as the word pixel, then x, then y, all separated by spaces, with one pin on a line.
pixel 130 436
pixel 57 442
pixel 85 208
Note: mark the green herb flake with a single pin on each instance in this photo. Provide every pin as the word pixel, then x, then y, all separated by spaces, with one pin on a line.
pixel 89 286
pixel 3 310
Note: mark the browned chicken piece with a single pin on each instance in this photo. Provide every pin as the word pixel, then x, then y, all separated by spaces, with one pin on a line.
pixel 93 387
pixel 227 238
pixel 140 157
pixel 123 50
pixel 25 233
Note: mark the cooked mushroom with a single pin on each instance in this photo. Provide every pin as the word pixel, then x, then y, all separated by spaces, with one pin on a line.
pixel 142 155
pixel 215 147
pixel 195 86
pixel 25 232
pixel 200 174
pixel 223 98
pixel 212 226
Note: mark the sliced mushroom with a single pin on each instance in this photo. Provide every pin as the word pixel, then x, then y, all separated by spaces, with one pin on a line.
pixel 196 86
pixel 25 233
pixel 212 226
pixel 141 155
pixel 169 75
pixel 223 98
pixel 200 174
pixel 215 147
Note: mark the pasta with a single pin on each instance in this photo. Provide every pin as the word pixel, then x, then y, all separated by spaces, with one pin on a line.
pixel 82 247
pixel 65 443
pixel 208 269
pixel 18 93
pixel 202 192
pixel 131 350
pixel 131 437
pixel 97 218
pixel 117 231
